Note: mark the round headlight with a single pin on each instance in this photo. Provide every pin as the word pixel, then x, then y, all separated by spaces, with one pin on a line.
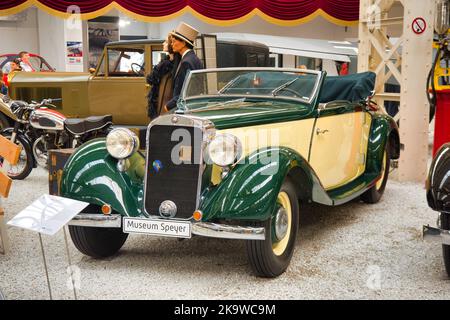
pixel 224 149
pixel 122 143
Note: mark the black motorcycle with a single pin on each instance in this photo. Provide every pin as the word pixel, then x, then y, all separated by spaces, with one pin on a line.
pixel 39 128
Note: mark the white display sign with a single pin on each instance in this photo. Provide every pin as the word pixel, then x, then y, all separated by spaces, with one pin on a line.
pixel 160 227
pixel 48 214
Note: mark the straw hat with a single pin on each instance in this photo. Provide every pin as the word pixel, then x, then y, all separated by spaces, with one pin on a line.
pixel 185 32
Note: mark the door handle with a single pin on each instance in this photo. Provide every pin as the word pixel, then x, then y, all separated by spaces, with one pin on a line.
pixel 318 131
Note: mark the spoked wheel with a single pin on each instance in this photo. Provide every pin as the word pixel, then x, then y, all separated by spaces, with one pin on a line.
pixel 271 257
pixel 23 168
pixel 374 194
pixel 40 152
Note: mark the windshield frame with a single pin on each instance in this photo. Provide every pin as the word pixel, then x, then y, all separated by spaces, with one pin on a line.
pixel 319 75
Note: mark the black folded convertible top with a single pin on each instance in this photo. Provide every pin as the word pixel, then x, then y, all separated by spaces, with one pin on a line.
pixel 353 88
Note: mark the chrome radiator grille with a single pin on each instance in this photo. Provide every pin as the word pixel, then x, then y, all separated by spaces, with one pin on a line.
pixel 173 170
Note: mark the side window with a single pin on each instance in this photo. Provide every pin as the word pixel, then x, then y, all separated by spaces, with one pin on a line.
pixel 157 56
pixel 261 60
pixel 126 62
pixel 252 60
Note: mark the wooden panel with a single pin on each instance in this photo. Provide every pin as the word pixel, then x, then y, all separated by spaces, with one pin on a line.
pixel 5 185
pixel 58 159
pixel 8 150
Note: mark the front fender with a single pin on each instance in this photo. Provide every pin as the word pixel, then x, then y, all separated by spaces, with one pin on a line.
pixel 91 175
pixel 383 129
pixel 250 190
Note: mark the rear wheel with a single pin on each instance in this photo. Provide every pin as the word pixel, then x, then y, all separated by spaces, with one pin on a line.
pixel 97 242
pixel 271 257
pixel 374 194
pixel 23 168
pixel 445 225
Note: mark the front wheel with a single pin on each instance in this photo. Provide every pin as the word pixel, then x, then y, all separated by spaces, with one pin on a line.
pixel 23 168
pixel 445 225
pixel 271 257
pixel 97 242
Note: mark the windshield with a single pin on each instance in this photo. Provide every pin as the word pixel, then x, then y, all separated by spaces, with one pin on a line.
pixel 38 64
pixel 246 82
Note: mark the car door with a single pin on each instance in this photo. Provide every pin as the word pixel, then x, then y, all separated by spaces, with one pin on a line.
pixel 118 90
pixel 339 143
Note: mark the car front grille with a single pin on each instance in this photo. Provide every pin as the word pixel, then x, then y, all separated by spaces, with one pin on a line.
pixel 166 178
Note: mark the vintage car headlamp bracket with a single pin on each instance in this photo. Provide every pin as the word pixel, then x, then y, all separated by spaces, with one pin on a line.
pixel 121 143
pixel 224 150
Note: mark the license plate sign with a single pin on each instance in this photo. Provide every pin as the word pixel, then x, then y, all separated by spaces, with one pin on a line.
pixel 157 227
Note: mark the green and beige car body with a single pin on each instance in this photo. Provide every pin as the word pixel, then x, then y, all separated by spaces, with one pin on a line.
pixel 333 153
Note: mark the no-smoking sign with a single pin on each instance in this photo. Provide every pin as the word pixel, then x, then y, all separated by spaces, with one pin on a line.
pixel 419 25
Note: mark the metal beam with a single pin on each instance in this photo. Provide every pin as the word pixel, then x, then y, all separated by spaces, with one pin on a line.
pixel 414 108
pixel 376 54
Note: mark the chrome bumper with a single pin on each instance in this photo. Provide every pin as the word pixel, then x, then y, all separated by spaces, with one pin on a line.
pixel 96 220
pixel 436 234
pixel 204 229
pixel 215 230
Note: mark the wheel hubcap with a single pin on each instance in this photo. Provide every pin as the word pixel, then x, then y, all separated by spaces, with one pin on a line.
pixel 283 222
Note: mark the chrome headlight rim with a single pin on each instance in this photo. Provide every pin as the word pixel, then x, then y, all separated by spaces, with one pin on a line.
pixel 121 143
pixel 233 143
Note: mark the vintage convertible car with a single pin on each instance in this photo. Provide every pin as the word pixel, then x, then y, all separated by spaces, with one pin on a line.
pixel 238 158
pixel 438 192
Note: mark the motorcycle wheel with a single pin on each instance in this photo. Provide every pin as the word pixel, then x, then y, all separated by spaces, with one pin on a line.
pixel 40 152
pixel 23 168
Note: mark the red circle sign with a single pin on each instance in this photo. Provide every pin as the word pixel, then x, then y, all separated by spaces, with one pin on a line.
pixel 419 25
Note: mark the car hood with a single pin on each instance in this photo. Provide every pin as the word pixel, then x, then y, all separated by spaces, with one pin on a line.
pixel 49 77
pixel 231 114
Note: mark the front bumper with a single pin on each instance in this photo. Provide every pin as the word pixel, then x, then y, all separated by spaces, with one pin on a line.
pixel 436 234
pixel 205 229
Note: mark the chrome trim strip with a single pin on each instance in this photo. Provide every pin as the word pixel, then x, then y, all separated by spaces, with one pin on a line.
pixel 215 230
pixel 435 233
pixel 96 220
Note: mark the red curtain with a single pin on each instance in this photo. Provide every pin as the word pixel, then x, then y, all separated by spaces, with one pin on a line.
pixel 344 10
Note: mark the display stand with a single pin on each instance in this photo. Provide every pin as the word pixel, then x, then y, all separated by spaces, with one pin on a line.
pixel 69 266
pixel 48 215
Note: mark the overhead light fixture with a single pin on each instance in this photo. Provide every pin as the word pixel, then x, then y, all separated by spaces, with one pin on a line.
pixel 123 23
